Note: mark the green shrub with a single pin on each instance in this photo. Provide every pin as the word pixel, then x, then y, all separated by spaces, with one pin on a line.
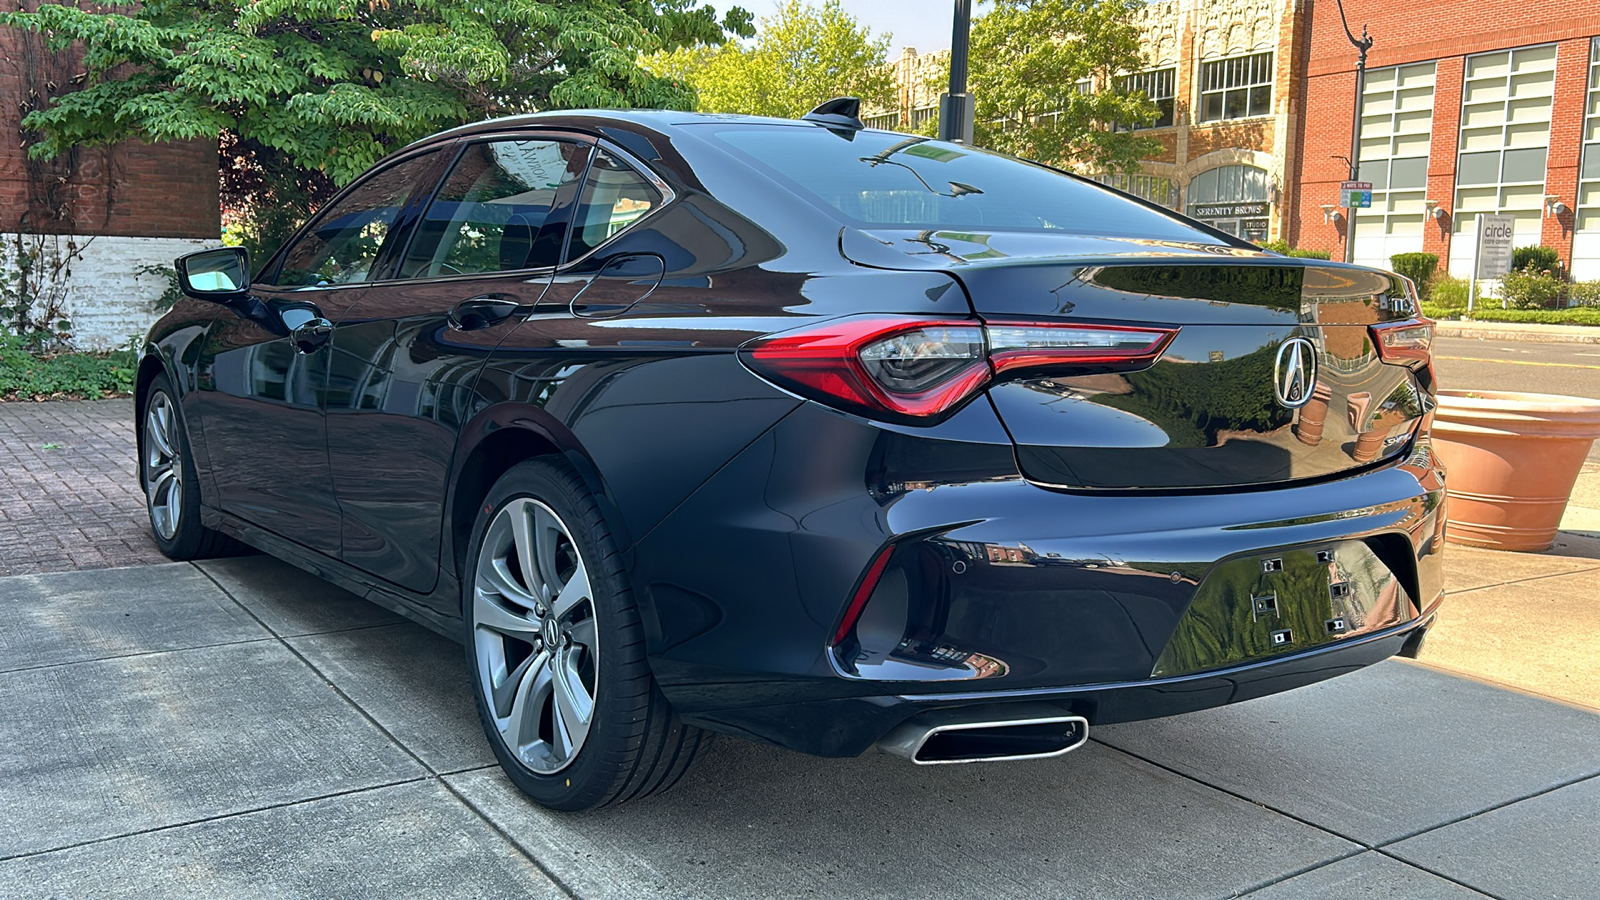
pixel 1540 257
pixel 1282 246
pixel 1583 315
pixel 1419 267
pixel 25 375
pixel 1584 293
pixel 1433 311
pixel 1531 288
pixel 1447 292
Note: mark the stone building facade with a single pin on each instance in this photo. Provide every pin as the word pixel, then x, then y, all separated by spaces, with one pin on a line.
pixel 125 207
pixel 1470 107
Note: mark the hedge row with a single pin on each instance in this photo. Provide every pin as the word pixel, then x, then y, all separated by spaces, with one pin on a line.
pixel 1578 315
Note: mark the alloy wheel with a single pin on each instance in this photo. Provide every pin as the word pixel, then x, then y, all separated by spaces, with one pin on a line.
pixel 163 465
pixel 534 637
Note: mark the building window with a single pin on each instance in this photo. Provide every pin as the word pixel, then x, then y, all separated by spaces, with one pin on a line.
pixel 1505 136
pixel 1235 199
pixel 1396 124
pixel 1236 88
pixel 1586 239
pixel 1154 188
pixel 1158 85
pixel 1082 86
pixel 888 121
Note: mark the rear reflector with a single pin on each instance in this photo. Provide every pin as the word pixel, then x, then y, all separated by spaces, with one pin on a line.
pixel 1410 341
pixel 919 370
pixel 858 602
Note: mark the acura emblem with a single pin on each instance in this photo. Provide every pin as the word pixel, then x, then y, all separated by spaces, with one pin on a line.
pixel 1295 374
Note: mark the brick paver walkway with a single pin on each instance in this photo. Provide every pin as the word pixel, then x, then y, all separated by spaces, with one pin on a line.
pixel 69 488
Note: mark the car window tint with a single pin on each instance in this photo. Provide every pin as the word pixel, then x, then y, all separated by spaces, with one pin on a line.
pixel 614 197
pixel 344 239
pixel 490 208
pixel 885 180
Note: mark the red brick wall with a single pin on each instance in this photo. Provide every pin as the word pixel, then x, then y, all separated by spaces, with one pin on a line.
pixel 1445 31
pixel 131 189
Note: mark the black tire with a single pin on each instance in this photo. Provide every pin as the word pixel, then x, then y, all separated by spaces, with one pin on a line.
pixel 634 744
pixel 188 538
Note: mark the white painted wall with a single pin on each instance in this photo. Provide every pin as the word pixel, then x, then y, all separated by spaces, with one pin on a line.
pixel 108 302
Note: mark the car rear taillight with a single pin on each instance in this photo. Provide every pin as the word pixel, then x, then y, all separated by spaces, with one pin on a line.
pixel 919 370
pixel 1406 343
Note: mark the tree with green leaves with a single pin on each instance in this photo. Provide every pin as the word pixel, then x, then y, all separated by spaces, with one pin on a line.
pixel 802 56
pixel 1047 77
pixel 306 94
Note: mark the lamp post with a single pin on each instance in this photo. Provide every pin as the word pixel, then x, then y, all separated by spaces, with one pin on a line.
pixel 1362 46
pixel 955 107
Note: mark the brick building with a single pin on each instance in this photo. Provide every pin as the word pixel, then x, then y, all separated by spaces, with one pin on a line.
pixel 127 206
pixel 1470 107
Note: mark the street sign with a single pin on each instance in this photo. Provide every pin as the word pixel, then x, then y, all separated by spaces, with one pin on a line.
pixel 1494 245
pixel 1355 194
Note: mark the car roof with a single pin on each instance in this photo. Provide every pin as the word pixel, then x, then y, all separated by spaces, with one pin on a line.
pixel 659 120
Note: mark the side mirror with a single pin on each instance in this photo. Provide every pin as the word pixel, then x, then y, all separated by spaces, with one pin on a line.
pixel 221 275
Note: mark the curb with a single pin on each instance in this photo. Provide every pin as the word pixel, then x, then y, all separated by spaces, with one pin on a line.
pixel 1546 334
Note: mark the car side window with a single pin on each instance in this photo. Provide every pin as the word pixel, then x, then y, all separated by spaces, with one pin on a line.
pixel 614 197
pixel 490 208
pixel 344 239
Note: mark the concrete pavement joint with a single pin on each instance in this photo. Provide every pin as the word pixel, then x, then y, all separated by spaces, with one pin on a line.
pixel 549 873
pixel 1484 587
pixel 216 818
pixel 432 773
pixel 136 655
pixel 1296 873
pixel 322 675
pixel 1437 874
pixel 1487 809
pixel 1237 796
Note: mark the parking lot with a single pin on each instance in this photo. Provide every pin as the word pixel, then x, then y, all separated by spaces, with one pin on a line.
pixel 237 728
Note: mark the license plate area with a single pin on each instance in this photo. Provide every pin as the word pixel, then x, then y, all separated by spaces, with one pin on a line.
pixel 1277 602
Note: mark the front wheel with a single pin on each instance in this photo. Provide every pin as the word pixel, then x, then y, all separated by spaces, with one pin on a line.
pixel 563 689
pixel 171 488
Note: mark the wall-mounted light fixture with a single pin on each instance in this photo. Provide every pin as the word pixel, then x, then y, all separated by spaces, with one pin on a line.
pixel 1331 214
pixel 1554 207
pixel 1434 210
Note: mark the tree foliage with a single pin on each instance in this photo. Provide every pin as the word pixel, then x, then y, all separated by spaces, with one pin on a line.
pixel 802 56
pixel 307 94
pixel 1028 58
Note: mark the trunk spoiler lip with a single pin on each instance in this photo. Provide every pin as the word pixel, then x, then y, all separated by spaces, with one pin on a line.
pixel 885 249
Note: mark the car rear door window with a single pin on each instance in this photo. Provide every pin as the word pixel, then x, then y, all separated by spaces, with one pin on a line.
pixel 490 208
pixel 614 197
pixel 344 240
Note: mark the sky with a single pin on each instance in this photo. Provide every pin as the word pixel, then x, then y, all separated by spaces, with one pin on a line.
pixel 923 24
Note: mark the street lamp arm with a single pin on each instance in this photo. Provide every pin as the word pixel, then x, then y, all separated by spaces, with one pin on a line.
pixel 1364 43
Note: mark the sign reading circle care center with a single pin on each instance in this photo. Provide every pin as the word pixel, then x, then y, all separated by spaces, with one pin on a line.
pixel 1494 245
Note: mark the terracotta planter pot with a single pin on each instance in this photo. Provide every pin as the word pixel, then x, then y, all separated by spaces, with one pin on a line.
pixel 1511 460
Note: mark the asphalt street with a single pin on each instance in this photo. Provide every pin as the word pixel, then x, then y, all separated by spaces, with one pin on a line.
pixel 1505 365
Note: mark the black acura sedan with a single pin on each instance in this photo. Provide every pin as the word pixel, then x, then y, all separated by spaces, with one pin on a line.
pixel 809 433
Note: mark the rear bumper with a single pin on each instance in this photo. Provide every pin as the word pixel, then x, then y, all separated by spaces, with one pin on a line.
pixel 1007 591
pixel 850 726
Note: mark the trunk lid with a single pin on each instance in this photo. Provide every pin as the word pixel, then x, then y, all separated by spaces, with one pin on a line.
pixel 1222 407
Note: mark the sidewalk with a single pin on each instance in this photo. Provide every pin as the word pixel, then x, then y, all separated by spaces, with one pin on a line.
pixel 1516 331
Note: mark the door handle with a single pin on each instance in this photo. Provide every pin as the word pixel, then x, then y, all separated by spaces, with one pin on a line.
pixel 311 335
pixel 482 312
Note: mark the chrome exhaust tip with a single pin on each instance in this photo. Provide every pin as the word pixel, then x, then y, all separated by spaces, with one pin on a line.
pixel 959 736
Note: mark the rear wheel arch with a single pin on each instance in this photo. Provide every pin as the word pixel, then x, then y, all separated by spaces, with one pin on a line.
pixel 497 440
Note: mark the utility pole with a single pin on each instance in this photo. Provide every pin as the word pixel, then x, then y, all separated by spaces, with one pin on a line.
pixel 955 107
pixel 1362 46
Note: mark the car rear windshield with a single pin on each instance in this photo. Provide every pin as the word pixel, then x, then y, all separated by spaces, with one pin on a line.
pixel 885 180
